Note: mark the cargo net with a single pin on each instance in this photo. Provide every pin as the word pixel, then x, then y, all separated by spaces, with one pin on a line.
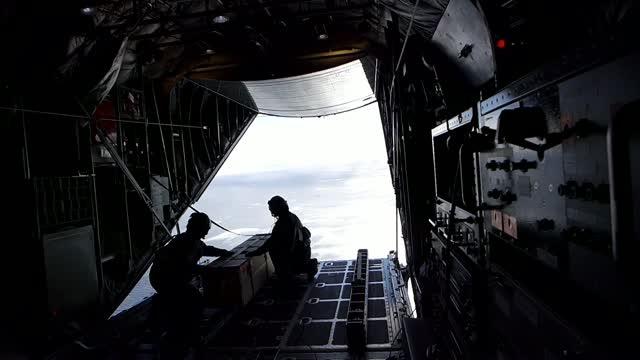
pixel 327 92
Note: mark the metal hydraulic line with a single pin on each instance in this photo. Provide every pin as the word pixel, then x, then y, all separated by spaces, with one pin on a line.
pixel 397 191
pixel 218 93
pixel 193 155
pixel 205 97
pixel 146 134
pixel 150 123
pixel 173 143
pixel 164 148
pixel 182 140
pixel 404 45
pixel 228 128
pixel 184 163
pixel 125 196
pixel 218 126
pixel 79 116
pixel 406 191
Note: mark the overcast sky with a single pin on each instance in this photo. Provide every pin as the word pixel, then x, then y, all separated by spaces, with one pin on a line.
pixel 332 171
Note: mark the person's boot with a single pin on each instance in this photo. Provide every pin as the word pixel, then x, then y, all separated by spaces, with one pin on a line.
pixel 313 269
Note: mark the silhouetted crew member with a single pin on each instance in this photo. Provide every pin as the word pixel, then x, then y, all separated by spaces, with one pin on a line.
pixel 174 268
pixel 289 243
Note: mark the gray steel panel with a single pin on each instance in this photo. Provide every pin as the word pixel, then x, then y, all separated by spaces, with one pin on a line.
pixel 70 263
pixel 463 26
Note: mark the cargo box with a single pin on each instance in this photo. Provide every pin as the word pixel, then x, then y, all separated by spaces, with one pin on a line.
pixel 236 279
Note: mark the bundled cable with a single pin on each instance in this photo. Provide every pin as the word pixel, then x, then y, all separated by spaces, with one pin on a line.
pixel 425 17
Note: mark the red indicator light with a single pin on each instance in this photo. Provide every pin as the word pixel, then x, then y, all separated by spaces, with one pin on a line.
pixel 501 43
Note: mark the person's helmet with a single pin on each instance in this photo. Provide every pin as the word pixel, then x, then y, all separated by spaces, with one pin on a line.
pixel 278 205
pixel 199 223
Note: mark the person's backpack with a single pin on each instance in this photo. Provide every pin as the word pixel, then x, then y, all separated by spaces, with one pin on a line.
pixel 306 234
pixel 302 251
pixel 301 242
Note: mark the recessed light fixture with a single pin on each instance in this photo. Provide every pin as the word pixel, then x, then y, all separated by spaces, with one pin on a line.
pixel 321 32
pixel 221 19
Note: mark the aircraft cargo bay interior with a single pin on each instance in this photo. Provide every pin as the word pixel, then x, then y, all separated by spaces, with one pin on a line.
pixel 508 154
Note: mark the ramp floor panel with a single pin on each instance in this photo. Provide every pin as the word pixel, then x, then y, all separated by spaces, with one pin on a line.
pixel 310 317
pixel 306 319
